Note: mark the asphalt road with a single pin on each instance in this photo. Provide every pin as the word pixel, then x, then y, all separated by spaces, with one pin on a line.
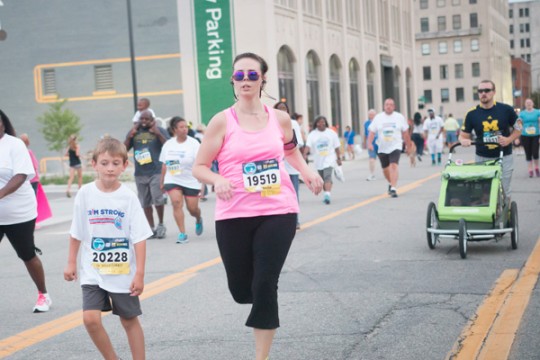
pixel 360 282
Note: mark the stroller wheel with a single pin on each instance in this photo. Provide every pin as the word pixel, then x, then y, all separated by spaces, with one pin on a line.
pixel 432 222
pixel 514 236
pixel 462 238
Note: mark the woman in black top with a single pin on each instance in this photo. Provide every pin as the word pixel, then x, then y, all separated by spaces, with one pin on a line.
pixel 75 166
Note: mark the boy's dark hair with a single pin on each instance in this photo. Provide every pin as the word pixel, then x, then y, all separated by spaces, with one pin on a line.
pixel 112 146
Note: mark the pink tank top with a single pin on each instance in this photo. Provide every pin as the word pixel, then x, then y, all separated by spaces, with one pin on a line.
pixel 253 162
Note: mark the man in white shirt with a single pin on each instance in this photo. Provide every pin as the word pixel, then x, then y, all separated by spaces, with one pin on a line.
pixel 142 104
pixel 326 147
pixel 391 129
pixel 433 132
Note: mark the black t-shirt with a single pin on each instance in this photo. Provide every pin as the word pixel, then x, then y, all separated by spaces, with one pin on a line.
pixel 487 125
pixel 146 150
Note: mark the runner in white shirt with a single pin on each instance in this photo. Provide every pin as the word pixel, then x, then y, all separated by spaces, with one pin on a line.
pixel 177 157
pixel 110 230
pixel 391 129
pixel 434 132
pixel 326 146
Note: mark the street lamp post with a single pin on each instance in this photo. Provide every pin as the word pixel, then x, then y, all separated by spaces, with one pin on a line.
pixel 132 56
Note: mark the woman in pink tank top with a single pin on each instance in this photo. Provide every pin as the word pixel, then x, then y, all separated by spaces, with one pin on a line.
pixel 256 203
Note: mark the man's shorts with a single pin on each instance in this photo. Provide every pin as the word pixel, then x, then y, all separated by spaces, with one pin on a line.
pixel 21 237
pixel 188 192
pixel 326 174
pixel 387 159
pixel 123 305
pixel 149 191
pixel 451 136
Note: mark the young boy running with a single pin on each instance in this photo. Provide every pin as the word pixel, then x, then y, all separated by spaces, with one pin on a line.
pixel 110 228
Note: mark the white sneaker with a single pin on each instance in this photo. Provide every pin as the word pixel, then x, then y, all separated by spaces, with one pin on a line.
pixel 161 230
pixel 370 178
pixel 43 303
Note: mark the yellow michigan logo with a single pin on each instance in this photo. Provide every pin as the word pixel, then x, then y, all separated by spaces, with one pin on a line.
pixel 493 126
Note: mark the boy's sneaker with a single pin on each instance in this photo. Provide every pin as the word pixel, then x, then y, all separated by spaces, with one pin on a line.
pixel 389 189
pixel 182 239
pixel 161 230
pixel 199 227
pixel 326 199
pixel 370 178
pixel 43 303
pixel 393 193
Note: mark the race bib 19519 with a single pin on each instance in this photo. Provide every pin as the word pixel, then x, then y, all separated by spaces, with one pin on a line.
pixel 262 176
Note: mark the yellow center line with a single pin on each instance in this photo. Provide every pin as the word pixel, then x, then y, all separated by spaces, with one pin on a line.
pixel 60 325
pixel 491 332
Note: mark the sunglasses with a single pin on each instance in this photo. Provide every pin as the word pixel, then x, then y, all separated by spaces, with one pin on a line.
pixel 485 91
pixel 251 75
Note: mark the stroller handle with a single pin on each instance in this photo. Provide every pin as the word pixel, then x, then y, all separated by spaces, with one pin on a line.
pixel 451 151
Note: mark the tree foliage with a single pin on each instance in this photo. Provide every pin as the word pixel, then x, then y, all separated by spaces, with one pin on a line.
pixel 535 96
pixel 58 124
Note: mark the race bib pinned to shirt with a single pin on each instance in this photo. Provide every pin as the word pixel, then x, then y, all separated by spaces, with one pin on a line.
pixel 143 156
pixel 173 167
pixel 110 256
pixel 262 176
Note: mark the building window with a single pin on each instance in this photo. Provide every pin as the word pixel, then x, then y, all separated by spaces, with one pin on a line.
pixel 443 47
pixel 443 71
pixel 522 43
pixel 458 46
pixel 511 13
pixel 456 22
pixel 427 72
pixel 312 85
pixel 353 14
pixel 460 94
pixel 103 78
pixel 312 7
pixel 473 18
pixel 472 1
pixel 49 82
pixel 522 28
pixel 458 71
pixel 370 82
pixel 528 59
pixel 511 29
pixel 423 4
pixel 475 69
pixel 428 96
pixel 426 49
pixel 475 93
pixel 474 45
pixel 445 95
pixel 526 12
pixel 335 92
pixel 291 4
pixel 354 70
pixel 520 12
pixel 424 24
pixel 441 3
pixel 333 10
pixel 441 23
pixel 511 44
pixel 285 65
pixel 528 42
pixel 527 27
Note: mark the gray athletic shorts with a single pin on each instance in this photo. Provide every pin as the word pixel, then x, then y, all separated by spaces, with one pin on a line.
pixel 123 305
pixel 149 191
pixel 326 174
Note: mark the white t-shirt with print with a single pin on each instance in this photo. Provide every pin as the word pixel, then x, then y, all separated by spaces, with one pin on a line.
pixel 19 206
pixel 179 158
pixel 323 145
pixel 433 126
pixel 298 132
pixel 108 226
pixel 389 129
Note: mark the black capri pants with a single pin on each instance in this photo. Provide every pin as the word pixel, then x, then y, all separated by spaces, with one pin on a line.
pixel 530 145
pixel 21 237
pixel 253 251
